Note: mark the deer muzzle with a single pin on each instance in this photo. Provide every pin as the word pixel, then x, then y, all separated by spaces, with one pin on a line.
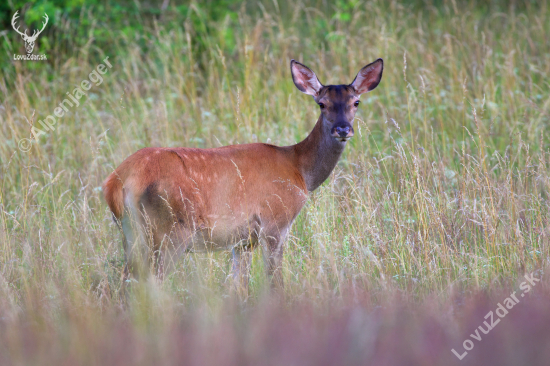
pixel 342 132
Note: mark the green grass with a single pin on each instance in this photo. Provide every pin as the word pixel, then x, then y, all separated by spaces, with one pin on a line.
pixel 444 187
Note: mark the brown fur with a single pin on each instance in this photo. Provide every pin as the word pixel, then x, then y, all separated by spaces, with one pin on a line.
pixel 172 200
pixel 203 189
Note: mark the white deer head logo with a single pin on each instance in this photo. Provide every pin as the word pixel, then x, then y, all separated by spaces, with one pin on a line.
pixel 29 40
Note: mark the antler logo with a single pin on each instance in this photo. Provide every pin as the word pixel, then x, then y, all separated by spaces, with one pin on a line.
pixel 29 40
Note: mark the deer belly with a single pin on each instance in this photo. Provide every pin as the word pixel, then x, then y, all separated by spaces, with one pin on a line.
pixel 222 235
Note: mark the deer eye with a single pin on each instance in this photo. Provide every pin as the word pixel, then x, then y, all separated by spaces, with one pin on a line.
pixel 356 104
pixel 322 105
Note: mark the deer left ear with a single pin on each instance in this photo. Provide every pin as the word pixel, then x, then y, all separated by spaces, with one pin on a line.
pixel 368 77
pixel 305 80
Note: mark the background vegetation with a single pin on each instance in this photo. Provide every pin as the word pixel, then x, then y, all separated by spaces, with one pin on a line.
pixel 438 207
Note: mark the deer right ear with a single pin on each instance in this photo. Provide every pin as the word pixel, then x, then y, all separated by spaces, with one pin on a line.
pixel 305 79
pixel 368 77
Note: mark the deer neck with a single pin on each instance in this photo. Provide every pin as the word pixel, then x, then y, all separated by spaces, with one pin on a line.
pixel 318 154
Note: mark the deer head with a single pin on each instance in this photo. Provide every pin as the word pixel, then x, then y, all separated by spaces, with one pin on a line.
pixel 29 40
pixel 338 103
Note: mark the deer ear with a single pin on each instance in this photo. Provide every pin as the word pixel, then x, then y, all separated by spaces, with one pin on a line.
pixel 368 77
pixel 305 79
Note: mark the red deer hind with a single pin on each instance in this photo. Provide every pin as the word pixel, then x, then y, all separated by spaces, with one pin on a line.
pixel 173 200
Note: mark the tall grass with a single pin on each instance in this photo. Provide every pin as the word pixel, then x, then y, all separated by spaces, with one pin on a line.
pixel 442 192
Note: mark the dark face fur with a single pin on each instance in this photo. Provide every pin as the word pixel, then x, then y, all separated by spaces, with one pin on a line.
pixel 338 103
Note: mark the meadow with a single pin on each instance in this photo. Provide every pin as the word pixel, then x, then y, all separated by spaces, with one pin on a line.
pixel 436 211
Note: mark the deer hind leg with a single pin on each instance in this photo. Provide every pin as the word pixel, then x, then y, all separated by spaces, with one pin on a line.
pixel 136 249
pixel 171 243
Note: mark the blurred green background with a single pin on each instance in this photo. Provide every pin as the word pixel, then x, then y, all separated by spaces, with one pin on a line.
pixel 96 26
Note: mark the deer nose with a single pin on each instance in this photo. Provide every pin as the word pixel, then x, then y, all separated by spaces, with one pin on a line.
pixel 343 132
